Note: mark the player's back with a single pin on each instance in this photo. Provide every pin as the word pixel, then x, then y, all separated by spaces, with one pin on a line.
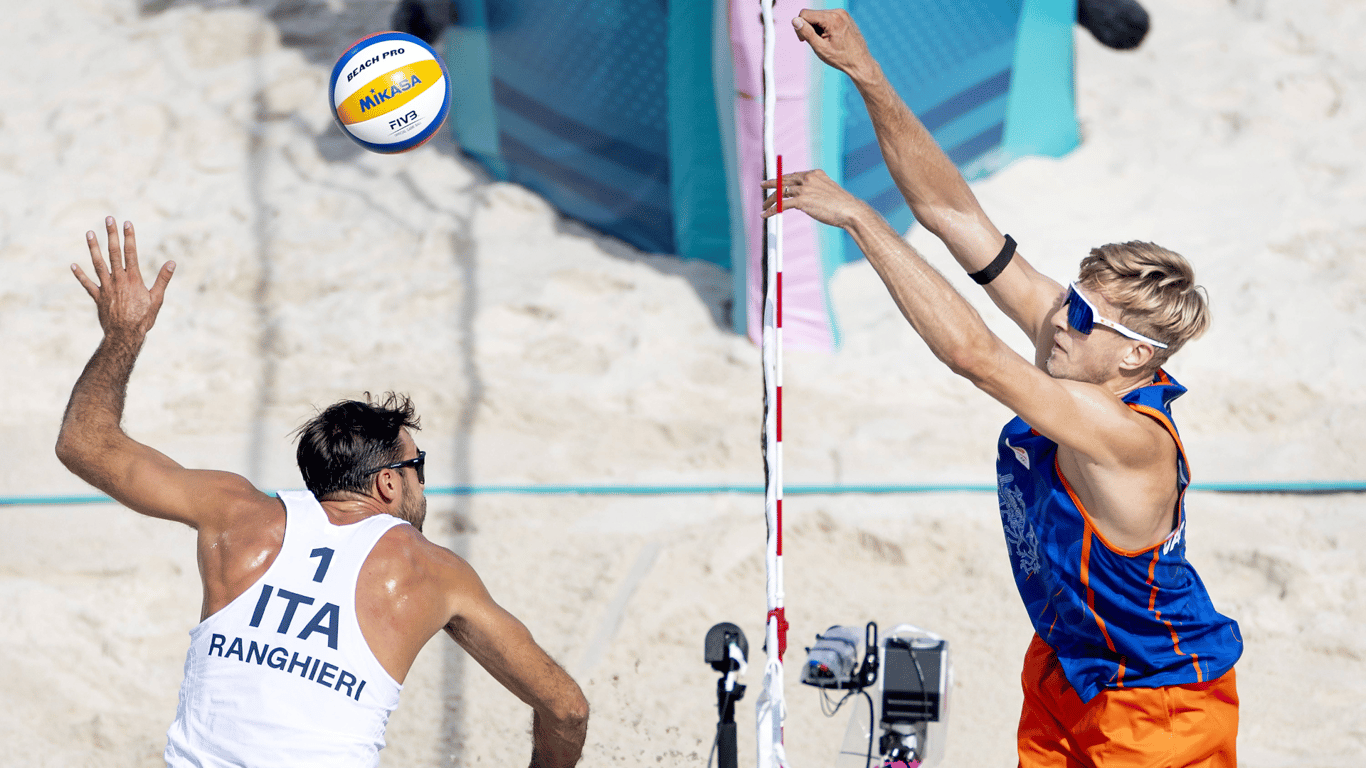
pixel 283 675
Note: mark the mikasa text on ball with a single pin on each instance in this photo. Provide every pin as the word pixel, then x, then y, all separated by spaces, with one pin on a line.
pixel 390 92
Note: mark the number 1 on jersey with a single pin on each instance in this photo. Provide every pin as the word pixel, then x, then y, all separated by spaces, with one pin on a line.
pixel 325 553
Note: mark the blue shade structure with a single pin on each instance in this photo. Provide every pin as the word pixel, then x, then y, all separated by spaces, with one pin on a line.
pixel 621 113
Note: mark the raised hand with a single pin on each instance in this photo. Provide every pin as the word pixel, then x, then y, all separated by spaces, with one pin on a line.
pixel 816 194
pixel 835 39
pixel 124 303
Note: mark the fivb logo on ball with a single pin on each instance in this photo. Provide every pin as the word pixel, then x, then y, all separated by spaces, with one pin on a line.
pixel 390 92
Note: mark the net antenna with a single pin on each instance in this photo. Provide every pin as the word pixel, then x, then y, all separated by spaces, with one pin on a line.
pixel 770 708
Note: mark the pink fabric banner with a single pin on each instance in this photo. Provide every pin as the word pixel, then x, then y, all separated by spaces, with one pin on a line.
pixel 806 323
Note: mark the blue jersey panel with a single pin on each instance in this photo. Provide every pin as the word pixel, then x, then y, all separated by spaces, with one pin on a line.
pixel 1115 618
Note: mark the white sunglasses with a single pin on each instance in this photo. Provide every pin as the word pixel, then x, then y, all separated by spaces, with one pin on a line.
pixel 1082 315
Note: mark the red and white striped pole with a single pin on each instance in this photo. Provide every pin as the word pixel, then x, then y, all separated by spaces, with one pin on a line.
pixel 775 484
pixel 770 705
pixel 773 495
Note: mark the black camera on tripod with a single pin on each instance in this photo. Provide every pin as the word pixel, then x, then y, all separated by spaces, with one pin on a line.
pixel 910 674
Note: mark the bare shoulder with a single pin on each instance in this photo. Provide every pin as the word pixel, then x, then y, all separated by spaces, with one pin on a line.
pixel 236 493
pixel 1128 481
pixel 240 530
pixel 199 498
pixel 404 556
pixel 1094 422
pixel 226 501
pixel 407 547
pixel 1147 441
pixel 409 589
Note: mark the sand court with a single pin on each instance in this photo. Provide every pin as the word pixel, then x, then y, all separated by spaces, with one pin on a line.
pixel 541 353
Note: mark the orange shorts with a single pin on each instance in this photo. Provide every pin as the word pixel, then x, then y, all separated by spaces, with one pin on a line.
pixel 1169 727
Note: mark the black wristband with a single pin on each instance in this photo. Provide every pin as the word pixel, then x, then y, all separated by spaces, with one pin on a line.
pixel 990 271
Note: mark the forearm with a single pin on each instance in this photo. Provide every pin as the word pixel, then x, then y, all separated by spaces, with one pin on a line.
pixel 95 411
pixel 504 647
pixel 949 325
pixel 936 192
pixel 557 741
pixel 943 203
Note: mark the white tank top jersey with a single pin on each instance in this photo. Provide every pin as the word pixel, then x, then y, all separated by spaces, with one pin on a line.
pixel 282 676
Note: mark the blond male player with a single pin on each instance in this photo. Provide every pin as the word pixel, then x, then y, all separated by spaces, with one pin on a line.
pixel 1130 664
pixel 315 602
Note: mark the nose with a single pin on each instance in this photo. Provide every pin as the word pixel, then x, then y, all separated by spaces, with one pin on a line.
pixel 1059 317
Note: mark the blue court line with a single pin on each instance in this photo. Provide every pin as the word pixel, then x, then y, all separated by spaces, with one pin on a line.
pixel 1290 488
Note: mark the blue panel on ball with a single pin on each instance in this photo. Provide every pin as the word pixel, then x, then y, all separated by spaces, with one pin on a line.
pixel 411 142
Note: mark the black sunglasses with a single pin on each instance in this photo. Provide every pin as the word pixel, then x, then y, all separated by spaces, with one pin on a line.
pixel 416 463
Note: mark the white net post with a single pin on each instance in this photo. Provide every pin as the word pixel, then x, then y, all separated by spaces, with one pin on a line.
pixel 770 706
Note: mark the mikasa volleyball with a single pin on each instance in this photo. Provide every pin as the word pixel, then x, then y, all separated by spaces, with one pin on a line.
pixel 390 92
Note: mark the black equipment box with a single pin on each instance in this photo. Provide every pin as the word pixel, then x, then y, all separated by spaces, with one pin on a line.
pixel 914 678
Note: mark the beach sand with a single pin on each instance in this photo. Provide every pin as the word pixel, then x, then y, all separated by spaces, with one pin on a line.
pixel 540 352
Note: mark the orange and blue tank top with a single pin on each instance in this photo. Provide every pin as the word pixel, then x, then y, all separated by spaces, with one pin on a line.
pixel 1115 618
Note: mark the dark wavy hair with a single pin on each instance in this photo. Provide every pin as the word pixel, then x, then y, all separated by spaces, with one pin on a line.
pixel 337 446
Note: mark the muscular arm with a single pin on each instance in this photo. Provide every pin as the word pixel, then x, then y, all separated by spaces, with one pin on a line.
pixel 936 192
pixel 92 443
pixel 1109 448
pixel 410 588
pixel 503 646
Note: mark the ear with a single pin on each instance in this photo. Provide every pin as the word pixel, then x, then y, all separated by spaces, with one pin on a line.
pixel 387 486
pixel 1137 358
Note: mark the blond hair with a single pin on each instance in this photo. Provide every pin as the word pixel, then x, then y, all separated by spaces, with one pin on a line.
pixel 1153 288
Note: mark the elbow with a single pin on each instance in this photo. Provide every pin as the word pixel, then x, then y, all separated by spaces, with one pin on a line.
pixel 80 451
pixel 573 712
pixel 963 364
pixel 945 217
pixel 936 219
pixel 565 712
pixel 973 361
pixel 67 451
pixel 959 224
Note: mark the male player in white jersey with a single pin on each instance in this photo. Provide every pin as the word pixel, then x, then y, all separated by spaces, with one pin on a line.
pixel 315 606
pixel 1131 665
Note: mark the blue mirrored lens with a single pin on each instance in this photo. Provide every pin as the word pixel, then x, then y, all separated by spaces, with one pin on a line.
pixel 1079 312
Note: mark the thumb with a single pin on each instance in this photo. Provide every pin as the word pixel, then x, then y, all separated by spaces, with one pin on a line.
pixel 804 31
pixel 163 279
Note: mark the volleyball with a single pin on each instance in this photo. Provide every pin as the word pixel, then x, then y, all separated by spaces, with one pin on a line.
pixel 390 92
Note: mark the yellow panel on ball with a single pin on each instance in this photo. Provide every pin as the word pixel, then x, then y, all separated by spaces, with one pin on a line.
pixel 390 92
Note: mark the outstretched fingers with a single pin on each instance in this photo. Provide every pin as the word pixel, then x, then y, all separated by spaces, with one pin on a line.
pixel 159 285
pixel 130 251
pixel 86 283
pixel 770 205
pixel 96 258
pixel 116 266
pixel 113 288
pixel 815 194
pixel 788 192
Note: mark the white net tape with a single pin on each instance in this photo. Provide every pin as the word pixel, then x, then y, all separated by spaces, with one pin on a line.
pixel 770 707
